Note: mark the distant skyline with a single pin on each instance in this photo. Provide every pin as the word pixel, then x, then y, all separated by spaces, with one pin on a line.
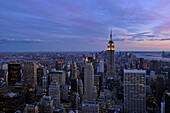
pixel 84 25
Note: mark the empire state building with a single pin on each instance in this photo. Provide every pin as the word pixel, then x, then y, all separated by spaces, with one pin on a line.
pixel 111 58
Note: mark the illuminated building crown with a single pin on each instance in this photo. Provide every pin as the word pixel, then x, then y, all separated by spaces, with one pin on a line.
pixel 110 45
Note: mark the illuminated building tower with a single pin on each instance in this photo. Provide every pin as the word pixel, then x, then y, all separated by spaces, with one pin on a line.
pixel 46 82
pixel 54 92
pixel 88 81
pixel 111 58
pixel 58 65
pixel 46 104
pixel 134 91
pixel 30 75
pixel 14 73
pixel 74 70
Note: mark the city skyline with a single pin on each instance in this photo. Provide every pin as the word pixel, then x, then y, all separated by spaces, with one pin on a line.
pixel 34 26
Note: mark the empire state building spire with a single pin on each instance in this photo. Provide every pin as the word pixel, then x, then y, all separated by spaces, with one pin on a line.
pixel 111 35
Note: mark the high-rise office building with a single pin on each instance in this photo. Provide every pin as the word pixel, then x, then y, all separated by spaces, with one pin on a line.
pixel 46 82
pixel 58 65
pixel 134 91
pixel 66 89
pixel 88 81
pixel 160 87
pixel 40 73
pixel 30 74
pixel 74 70
pixel 100 67
pixel 54 92
pixel 14 73
pixel 111 58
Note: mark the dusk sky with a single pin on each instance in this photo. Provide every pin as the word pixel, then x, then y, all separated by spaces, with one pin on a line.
pixel 84 25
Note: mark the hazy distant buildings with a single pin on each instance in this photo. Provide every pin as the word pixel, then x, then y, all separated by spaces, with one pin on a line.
pixel 134 91
pixel 111 58
pixel 14 73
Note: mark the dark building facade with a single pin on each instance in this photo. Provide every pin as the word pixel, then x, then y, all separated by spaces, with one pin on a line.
pixel 74 85
pixel 58 65
pixel 14 73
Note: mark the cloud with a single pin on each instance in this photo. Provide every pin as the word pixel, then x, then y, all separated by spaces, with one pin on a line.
pixel 11 40
pixel 164 39
pixel 64 21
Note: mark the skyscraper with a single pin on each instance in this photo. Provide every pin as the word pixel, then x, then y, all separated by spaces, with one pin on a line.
pixel 40 73
pixel 134 91
pixel 30 74
pixel 74 70
pixel 88 81
pixel 14 73
pixel 54 92
pixel 160 87
pixel 111 58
